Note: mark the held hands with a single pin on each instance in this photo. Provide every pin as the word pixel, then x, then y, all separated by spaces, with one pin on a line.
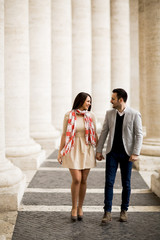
pixel 59 158
pixel 133 158
pixel 99 156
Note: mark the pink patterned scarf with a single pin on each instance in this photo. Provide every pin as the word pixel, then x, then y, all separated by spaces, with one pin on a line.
pixel 90 136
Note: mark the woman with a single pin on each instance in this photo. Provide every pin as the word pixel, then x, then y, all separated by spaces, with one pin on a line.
pixel 76 150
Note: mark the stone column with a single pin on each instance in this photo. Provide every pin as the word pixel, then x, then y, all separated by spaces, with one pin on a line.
pixel 12 180
pixel 101 89
pixel 81 46
pixel 134 59
pixel 61 60
pixel 120 45
pixel 142 66
pixel 150 158
pixel 40 73
pixel 20 148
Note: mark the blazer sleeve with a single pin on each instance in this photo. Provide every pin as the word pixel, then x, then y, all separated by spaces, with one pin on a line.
pixel 138 134
pixel 103 134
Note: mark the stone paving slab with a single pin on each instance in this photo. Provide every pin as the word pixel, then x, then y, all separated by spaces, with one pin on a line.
pixel 53 155
pixel 62 179
pixel 47 225
pixel 57 226
pixel 91 199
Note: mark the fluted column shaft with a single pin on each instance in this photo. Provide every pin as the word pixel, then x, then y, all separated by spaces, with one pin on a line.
pixel 101 89
pixel 151 144
pixel 152 44
pixel 20 148
pixel 81 46
pixel 120 45
pixel 142 63
pixel 40 71
pixel 134 59
pixel 149 36
pixel 61 60
pixel 12 180
pixel 152 73
pixel 2 142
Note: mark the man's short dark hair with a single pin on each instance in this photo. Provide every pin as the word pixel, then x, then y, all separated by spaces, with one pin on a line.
pixel 121 93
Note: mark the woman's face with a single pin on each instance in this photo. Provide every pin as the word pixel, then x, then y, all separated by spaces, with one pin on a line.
pixel 86 104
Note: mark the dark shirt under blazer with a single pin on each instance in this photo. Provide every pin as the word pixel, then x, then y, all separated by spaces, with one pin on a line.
pixel 132 135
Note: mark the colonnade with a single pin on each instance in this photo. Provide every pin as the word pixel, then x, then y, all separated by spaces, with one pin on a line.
pixel 12 180
pixel 54 49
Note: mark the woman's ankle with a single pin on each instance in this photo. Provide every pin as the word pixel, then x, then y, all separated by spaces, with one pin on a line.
pixel 74 211
pixel 80 211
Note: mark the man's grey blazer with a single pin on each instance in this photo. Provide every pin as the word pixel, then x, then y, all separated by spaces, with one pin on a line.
pixel 132 135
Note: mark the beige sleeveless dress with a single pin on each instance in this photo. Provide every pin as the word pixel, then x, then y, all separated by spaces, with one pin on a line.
pixel 81 156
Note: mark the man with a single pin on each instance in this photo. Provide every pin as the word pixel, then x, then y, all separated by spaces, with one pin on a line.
pixel 123 127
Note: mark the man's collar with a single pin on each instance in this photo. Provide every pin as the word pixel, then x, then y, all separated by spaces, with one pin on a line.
pixel 122 113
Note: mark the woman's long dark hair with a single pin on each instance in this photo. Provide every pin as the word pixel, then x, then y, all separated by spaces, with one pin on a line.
pixel 80 99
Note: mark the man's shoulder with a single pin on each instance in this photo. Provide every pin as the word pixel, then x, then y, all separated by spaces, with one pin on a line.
pixel 132 111
pixel 110 111
pixel 110 114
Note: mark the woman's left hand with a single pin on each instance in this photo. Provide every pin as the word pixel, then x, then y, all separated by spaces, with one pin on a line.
pixel 59 158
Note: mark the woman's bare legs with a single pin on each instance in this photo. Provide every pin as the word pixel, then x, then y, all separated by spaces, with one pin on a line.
pixel 82 190
pixel 75 186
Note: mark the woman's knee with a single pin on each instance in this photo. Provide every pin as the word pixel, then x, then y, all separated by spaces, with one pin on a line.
pixel 84 177
pixel 76 176
pixel 84 181
pixel 76 181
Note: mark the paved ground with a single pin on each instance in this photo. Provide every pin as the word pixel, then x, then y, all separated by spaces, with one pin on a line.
pixel 45 209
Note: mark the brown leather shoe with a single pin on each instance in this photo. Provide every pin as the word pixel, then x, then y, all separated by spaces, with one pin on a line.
pixel 123 216
pixel 107 217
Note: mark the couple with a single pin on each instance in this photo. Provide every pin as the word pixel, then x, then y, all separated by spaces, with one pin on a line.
pixel 123 127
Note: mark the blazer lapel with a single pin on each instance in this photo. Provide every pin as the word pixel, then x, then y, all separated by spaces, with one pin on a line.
pixel 113 122
pixel 125 117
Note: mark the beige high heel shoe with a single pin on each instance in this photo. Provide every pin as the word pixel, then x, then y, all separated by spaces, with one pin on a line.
pixel 79 217
pixel 73 218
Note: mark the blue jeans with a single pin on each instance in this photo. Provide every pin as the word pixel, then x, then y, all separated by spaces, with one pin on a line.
pixel 112 160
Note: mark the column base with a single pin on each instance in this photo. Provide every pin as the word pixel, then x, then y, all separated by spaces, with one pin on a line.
pixel 46 135
pixel 26 156
pixel 10 197
pixel 49 143
pixel 149 159
pixel 12 187
pixel 155 183
pixel 30 162
pixel 151 147
pixel 147 163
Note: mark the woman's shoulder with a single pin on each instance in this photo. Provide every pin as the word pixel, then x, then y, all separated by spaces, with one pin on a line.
pixel 66 115
pixel 92 115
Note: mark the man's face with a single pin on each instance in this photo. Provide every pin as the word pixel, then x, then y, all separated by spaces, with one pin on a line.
pixel 115 102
